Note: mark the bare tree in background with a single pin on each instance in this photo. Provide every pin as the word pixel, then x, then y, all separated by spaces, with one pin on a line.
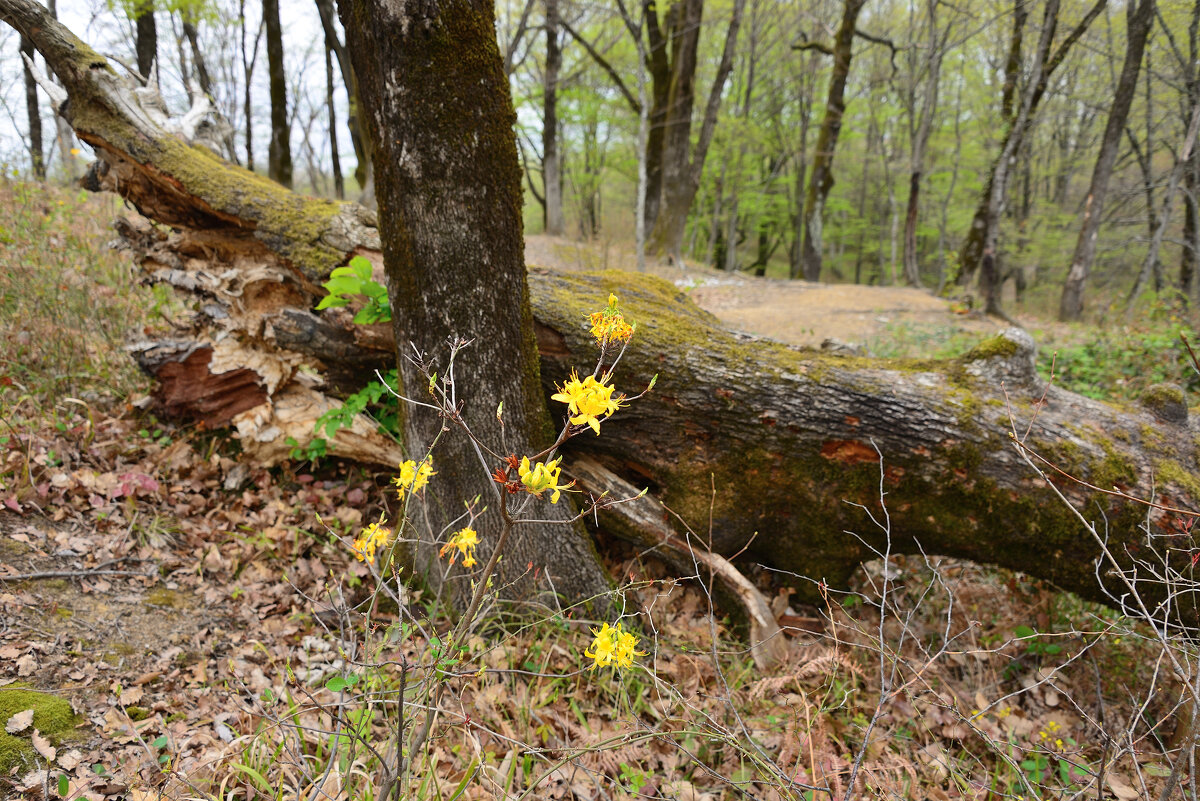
pixel 248 62
pixel 1139 17
pixel 683 163
pixel 979 250
pixel 279 153
pixel 821 179
pixel 36 151
pixel 146 41
pixel 551 163
pixel 919 138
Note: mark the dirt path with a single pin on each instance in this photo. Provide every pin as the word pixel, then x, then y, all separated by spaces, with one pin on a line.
pixel 797 312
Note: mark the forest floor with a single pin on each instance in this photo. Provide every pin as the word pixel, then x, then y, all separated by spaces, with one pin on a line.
pixel 180 602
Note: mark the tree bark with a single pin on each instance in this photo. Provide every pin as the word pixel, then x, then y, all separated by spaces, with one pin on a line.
pixel 821 177
pixel 683 165
pixel 37 152
pixel 146 40
pixel 1140 18
pixel 551 165
pixel 363 173
pixel 279 152
pixel 450 225
pixel 920 141
pixel 339 183
pixel 787 436
pixel 193 37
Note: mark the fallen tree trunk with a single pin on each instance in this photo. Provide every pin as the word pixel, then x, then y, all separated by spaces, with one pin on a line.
pixel 776 451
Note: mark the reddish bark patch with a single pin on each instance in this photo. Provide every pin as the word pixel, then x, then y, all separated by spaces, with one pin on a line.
pixel 186 387
pixel 848 451
pixel 852 421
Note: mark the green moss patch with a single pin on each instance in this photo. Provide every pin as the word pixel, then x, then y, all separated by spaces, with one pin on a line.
pixel 52 717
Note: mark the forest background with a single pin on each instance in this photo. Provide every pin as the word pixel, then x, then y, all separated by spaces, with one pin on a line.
pixel 931 91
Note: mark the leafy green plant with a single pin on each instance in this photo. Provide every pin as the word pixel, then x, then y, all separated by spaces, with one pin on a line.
pixel 355 279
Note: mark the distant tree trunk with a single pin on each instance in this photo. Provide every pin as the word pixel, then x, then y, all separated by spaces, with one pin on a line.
pixel 658 63
pixel 551 166
pixel 821 179
pixel 933 65
pixel 795 260
pixel 984 235
pixel 363 172
pixel 1190 256
pixel 146 42
pixel 449 186
pixel 65 136
pixel 1140 17
pixel 279 153
pixel 248 75
pixel 339 183
pixel 1164 216
pixel 683 32
pixel 683 164
pixel 193 37
pixel 730 262
pixel 36 151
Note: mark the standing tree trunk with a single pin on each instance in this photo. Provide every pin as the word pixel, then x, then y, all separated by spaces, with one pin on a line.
pixel 1140 17
pixel 920 140
pixel 339 183
pixel 683 165
pixel 657 61
pixel 1190 255
pixel 821 179
pixel 450 224
pixel 551 165
pixel 363 172
pixel 146 42
pixel 279 153
pixel 978 252
pixel 36 151
pixel 248 75
pixel 193 37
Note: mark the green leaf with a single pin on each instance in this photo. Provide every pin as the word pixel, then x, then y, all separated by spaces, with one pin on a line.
pixel 160 742
pixel 361 265
pixel 64 785
pixel 1024 632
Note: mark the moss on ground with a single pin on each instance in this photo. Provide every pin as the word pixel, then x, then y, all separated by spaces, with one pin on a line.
pixel 52 717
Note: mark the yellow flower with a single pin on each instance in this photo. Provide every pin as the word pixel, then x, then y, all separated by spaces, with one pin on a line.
pixel 609 325
pixel 463 541
pixel 541 477
pixel 588 400
pixel 369 541
pixel 413 476
pixel 74 151
pixel 614 646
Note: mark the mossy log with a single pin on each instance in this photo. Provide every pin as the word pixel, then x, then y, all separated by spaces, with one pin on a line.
pixel 777 451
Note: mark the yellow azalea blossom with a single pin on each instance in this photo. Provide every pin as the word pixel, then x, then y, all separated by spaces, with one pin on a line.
pixel 463 541
pixel 609 325
pixel 613 646
pixel 371 538
pixel 413 477
pixel 588 400
pixel 542 476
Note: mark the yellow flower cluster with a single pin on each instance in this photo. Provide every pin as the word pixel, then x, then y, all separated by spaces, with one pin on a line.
pixel 588 400
pixel 369 541
pixel 613 646
pixel 609 325
pixel 542 476
pixel 413 476
pixel 463 541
